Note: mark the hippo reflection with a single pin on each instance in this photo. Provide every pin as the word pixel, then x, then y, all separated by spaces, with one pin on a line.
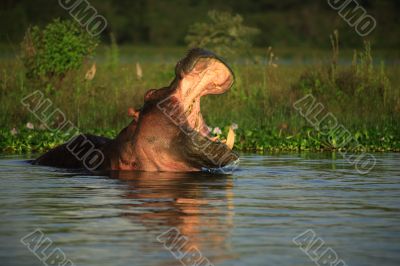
pixel 198 205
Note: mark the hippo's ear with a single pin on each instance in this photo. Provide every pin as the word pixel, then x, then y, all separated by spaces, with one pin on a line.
pixel 149 94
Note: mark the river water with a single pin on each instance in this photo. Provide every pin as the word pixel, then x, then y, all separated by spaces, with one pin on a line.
pixel 247 218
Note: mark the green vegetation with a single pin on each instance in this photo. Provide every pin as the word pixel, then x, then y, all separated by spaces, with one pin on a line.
pixel 260 140
pixel 95 93
pixel 361 87
pixel 26 140
pixel 224 33
pixel 49 54
pixel 261 103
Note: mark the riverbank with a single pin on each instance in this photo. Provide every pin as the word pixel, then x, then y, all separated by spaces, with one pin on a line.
pixel 363 97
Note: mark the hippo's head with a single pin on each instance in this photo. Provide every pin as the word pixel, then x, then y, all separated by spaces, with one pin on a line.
pixel 170 133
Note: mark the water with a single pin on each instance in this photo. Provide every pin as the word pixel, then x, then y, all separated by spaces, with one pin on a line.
pixel 248 218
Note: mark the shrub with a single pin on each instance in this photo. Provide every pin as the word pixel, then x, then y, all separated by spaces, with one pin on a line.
pixel 51 52
pixel 223 33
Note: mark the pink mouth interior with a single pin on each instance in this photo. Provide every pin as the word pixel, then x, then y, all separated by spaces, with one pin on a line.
pixel 208 76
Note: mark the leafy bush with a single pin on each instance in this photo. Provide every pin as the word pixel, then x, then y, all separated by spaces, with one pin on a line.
pixel 223 33
pixel 58 48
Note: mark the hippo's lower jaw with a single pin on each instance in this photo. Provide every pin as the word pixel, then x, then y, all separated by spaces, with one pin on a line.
pixel 168 133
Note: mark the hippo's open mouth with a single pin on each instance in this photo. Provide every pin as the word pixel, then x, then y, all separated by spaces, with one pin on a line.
pixel 199 74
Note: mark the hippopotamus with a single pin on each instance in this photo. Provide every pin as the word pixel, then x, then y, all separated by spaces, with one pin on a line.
pixel 168 133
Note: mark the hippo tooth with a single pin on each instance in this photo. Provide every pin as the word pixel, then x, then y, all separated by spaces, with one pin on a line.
pixel 230 141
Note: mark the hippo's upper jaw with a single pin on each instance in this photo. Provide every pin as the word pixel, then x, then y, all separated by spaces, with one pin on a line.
pixel 200 73
pixel 168 133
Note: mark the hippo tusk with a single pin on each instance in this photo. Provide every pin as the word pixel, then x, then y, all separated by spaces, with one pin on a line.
pixel 230 140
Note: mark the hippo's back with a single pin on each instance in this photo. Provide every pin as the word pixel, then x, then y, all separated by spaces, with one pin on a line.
pixel 71 154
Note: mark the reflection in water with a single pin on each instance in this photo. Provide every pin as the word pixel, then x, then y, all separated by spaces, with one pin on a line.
pixel 185 201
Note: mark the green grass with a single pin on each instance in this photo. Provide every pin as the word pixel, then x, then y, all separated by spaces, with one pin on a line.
pixel 261 101
pixel 260 140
